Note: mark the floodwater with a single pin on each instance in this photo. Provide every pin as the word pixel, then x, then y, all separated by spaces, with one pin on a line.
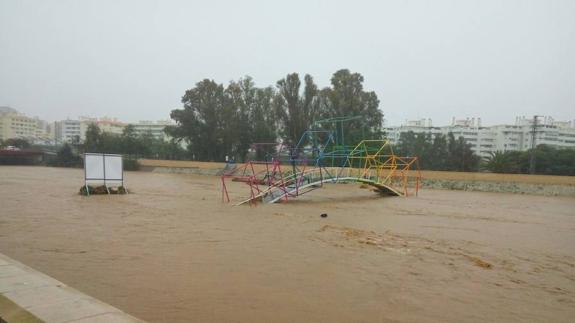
pixel 172 252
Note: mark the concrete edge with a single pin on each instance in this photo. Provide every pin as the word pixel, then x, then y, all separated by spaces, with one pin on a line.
pixel 28 291
pixel 11 312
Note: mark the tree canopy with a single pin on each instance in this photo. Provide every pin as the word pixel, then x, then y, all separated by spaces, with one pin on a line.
pixel 130 144
pixel 17 142
pixel 439 152
pixel 548 161
pixel 346 98
pixel 218 121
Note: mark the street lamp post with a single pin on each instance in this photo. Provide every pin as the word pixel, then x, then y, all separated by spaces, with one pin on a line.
pixel 533 145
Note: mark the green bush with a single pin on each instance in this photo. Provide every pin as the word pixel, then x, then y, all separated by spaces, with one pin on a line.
pixel 66 158
pixel 131 164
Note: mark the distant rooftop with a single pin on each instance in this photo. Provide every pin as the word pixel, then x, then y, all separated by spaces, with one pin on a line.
pixel 5 109
pixel 475 122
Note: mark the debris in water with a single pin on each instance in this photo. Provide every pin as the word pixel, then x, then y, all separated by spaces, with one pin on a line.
pixel 99 190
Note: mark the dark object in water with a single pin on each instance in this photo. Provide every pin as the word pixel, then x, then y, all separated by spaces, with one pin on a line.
pixel 324 215
pixel 99 190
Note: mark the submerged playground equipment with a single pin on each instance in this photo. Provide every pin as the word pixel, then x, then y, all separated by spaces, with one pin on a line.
pixel 279 173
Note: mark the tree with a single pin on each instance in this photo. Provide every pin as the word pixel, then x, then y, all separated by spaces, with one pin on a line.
pixel 406 144
pixel 263 120
pixel 242 98
pixel 438 154
pixel 218 122
pixel 460 156
pixel 416 145
pixel 161 149
pixel 564 162
pixel 129 141
pixel 553 161
pixel 503 162
pixel 296 111
pixel 146 145
pixel 111 143
pixel 347 98
pixel 203 120
pixel 92 143
pixel 65 157
pixel 550 161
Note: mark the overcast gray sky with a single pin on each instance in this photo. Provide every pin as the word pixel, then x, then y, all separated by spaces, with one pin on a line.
pixel 425 59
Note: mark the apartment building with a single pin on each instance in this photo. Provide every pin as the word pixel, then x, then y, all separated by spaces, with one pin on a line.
pixel 155 128
pixel 17 125
pixel 486 140
pixel 110 125
pixel 67 131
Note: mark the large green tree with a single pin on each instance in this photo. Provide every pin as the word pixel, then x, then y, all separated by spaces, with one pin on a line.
pixel 93 141
pixel 416 145
pixel 460 156
pixel 296 110
pixel 548 161
pixel 218 122
pixel 241 103
pixel 437 158
pixel 264 121
pixel 130 141
pixel 204 122
pixel 438 152
pixel 347 98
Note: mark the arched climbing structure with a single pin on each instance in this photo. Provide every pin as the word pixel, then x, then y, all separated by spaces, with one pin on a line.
pixel 370 162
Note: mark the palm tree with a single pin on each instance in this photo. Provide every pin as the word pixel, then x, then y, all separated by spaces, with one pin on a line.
pixel 501 162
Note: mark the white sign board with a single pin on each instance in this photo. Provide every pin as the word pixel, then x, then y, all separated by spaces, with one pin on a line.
pixel 103 169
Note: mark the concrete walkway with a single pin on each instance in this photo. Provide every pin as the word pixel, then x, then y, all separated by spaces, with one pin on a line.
pixel 27 295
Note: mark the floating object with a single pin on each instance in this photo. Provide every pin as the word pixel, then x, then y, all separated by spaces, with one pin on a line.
pixel 324 215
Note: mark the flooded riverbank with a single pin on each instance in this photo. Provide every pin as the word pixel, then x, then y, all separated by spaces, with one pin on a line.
pixel 172 252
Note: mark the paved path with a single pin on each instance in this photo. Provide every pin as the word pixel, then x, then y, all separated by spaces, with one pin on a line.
pixel 27 295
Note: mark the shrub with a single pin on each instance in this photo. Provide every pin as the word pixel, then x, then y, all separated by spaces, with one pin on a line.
pixel 66 158
pixel 131 164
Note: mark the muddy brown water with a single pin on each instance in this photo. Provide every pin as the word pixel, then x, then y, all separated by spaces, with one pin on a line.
pixel 172 252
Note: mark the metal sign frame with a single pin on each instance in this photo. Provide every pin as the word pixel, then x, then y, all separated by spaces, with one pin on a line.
pixel 105 179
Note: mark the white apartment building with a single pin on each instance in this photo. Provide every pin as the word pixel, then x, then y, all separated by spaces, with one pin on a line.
pixel 105 124
pixel 67 131
pixel 155 128
pixel 486 140
pixel 16 125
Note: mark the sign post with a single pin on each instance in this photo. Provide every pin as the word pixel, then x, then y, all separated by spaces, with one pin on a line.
pixel 103 169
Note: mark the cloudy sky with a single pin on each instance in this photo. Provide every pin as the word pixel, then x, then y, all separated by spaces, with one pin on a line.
pixel 425 59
